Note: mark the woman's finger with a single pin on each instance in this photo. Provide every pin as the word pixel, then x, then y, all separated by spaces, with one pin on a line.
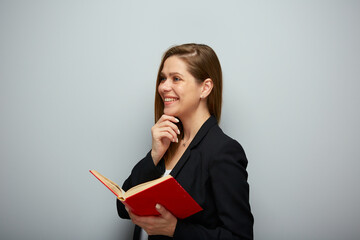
pixel 168 117
pixel 163 211
pixel 171 125
pixel 169 136
pixel 169 130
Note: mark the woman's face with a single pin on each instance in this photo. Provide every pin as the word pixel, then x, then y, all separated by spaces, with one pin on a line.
pixel 178 89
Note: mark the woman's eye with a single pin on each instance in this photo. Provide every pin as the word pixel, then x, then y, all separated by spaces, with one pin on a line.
pixel 176 79
pixel 162 79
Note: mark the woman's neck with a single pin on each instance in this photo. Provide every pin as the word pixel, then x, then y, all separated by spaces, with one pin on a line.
pixel 193 123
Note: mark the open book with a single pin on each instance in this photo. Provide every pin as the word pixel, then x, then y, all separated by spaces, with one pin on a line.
pixel 141 199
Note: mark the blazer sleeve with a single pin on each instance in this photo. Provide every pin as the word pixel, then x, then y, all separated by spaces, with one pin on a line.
pixel 228 179
pixel 144 171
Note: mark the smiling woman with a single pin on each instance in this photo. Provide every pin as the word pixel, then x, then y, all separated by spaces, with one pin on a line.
pixel 188 144
pixel 199 64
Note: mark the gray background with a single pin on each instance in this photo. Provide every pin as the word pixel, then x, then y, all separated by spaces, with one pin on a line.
pixel 76 93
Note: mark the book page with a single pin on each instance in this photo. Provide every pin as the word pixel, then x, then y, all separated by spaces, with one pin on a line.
pixel 144 186
pixel 109 184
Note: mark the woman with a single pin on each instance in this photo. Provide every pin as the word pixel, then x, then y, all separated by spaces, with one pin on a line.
pixel 188 143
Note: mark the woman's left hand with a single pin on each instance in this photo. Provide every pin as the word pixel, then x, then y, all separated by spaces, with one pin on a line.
pixel 164 224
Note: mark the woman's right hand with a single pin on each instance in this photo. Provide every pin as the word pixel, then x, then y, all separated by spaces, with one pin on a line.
pixel 163 133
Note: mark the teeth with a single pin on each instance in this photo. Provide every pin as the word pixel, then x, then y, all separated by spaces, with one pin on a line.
pixel 170 99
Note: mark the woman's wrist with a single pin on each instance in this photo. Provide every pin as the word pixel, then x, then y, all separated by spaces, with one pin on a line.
pixel 155 158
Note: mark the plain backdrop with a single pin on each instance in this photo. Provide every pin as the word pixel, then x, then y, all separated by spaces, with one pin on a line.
pixel 77 83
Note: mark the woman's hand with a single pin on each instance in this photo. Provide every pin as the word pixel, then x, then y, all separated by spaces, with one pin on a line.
pixel 163 133
pixel 164 224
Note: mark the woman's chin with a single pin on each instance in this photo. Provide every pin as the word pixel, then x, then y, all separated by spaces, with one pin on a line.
pixel 170 112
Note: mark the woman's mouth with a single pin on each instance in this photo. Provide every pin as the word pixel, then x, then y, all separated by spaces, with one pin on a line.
pixel 169 100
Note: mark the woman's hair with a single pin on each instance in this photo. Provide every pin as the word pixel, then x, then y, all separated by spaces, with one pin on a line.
pixel 202 63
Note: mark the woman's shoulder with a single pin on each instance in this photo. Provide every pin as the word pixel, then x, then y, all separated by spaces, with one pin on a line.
pixel 216 141
pixel 224 151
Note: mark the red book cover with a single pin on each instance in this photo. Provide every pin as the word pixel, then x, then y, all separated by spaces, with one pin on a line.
pixel 141 199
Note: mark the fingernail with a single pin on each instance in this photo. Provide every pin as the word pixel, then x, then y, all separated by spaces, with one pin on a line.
pixel 177 120
pixel 157 206
pixel 177 140
pixel 178 131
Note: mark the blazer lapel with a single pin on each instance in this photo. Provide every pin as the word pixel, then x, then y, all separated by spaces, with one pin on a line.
pixel 197 139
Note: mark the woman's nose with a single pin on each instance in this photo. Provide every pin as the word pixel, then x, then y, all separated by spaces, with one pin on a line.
pixel 165 85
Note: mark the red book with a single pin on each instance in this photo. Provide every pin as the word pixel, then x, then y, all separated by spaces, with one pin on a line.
pixel 141 199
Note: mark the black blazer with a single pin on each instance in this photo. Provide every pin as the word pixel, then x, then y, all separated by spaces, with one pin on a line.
pixel 213 171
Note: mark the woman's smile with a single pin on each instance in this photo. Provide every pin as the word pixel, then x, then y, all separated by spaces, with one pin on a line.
pixel 170 100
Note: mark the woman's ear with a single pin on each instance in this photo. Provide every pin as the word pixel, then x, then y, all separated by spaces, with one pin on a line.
pixel 207 86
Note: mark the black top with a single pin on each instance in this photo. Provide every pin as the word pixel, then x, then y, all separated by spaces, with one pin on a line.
pixel 213 171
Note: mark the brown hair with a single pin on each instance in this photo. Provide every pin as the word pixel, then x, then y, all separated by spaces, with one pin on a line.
pixel 202 63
